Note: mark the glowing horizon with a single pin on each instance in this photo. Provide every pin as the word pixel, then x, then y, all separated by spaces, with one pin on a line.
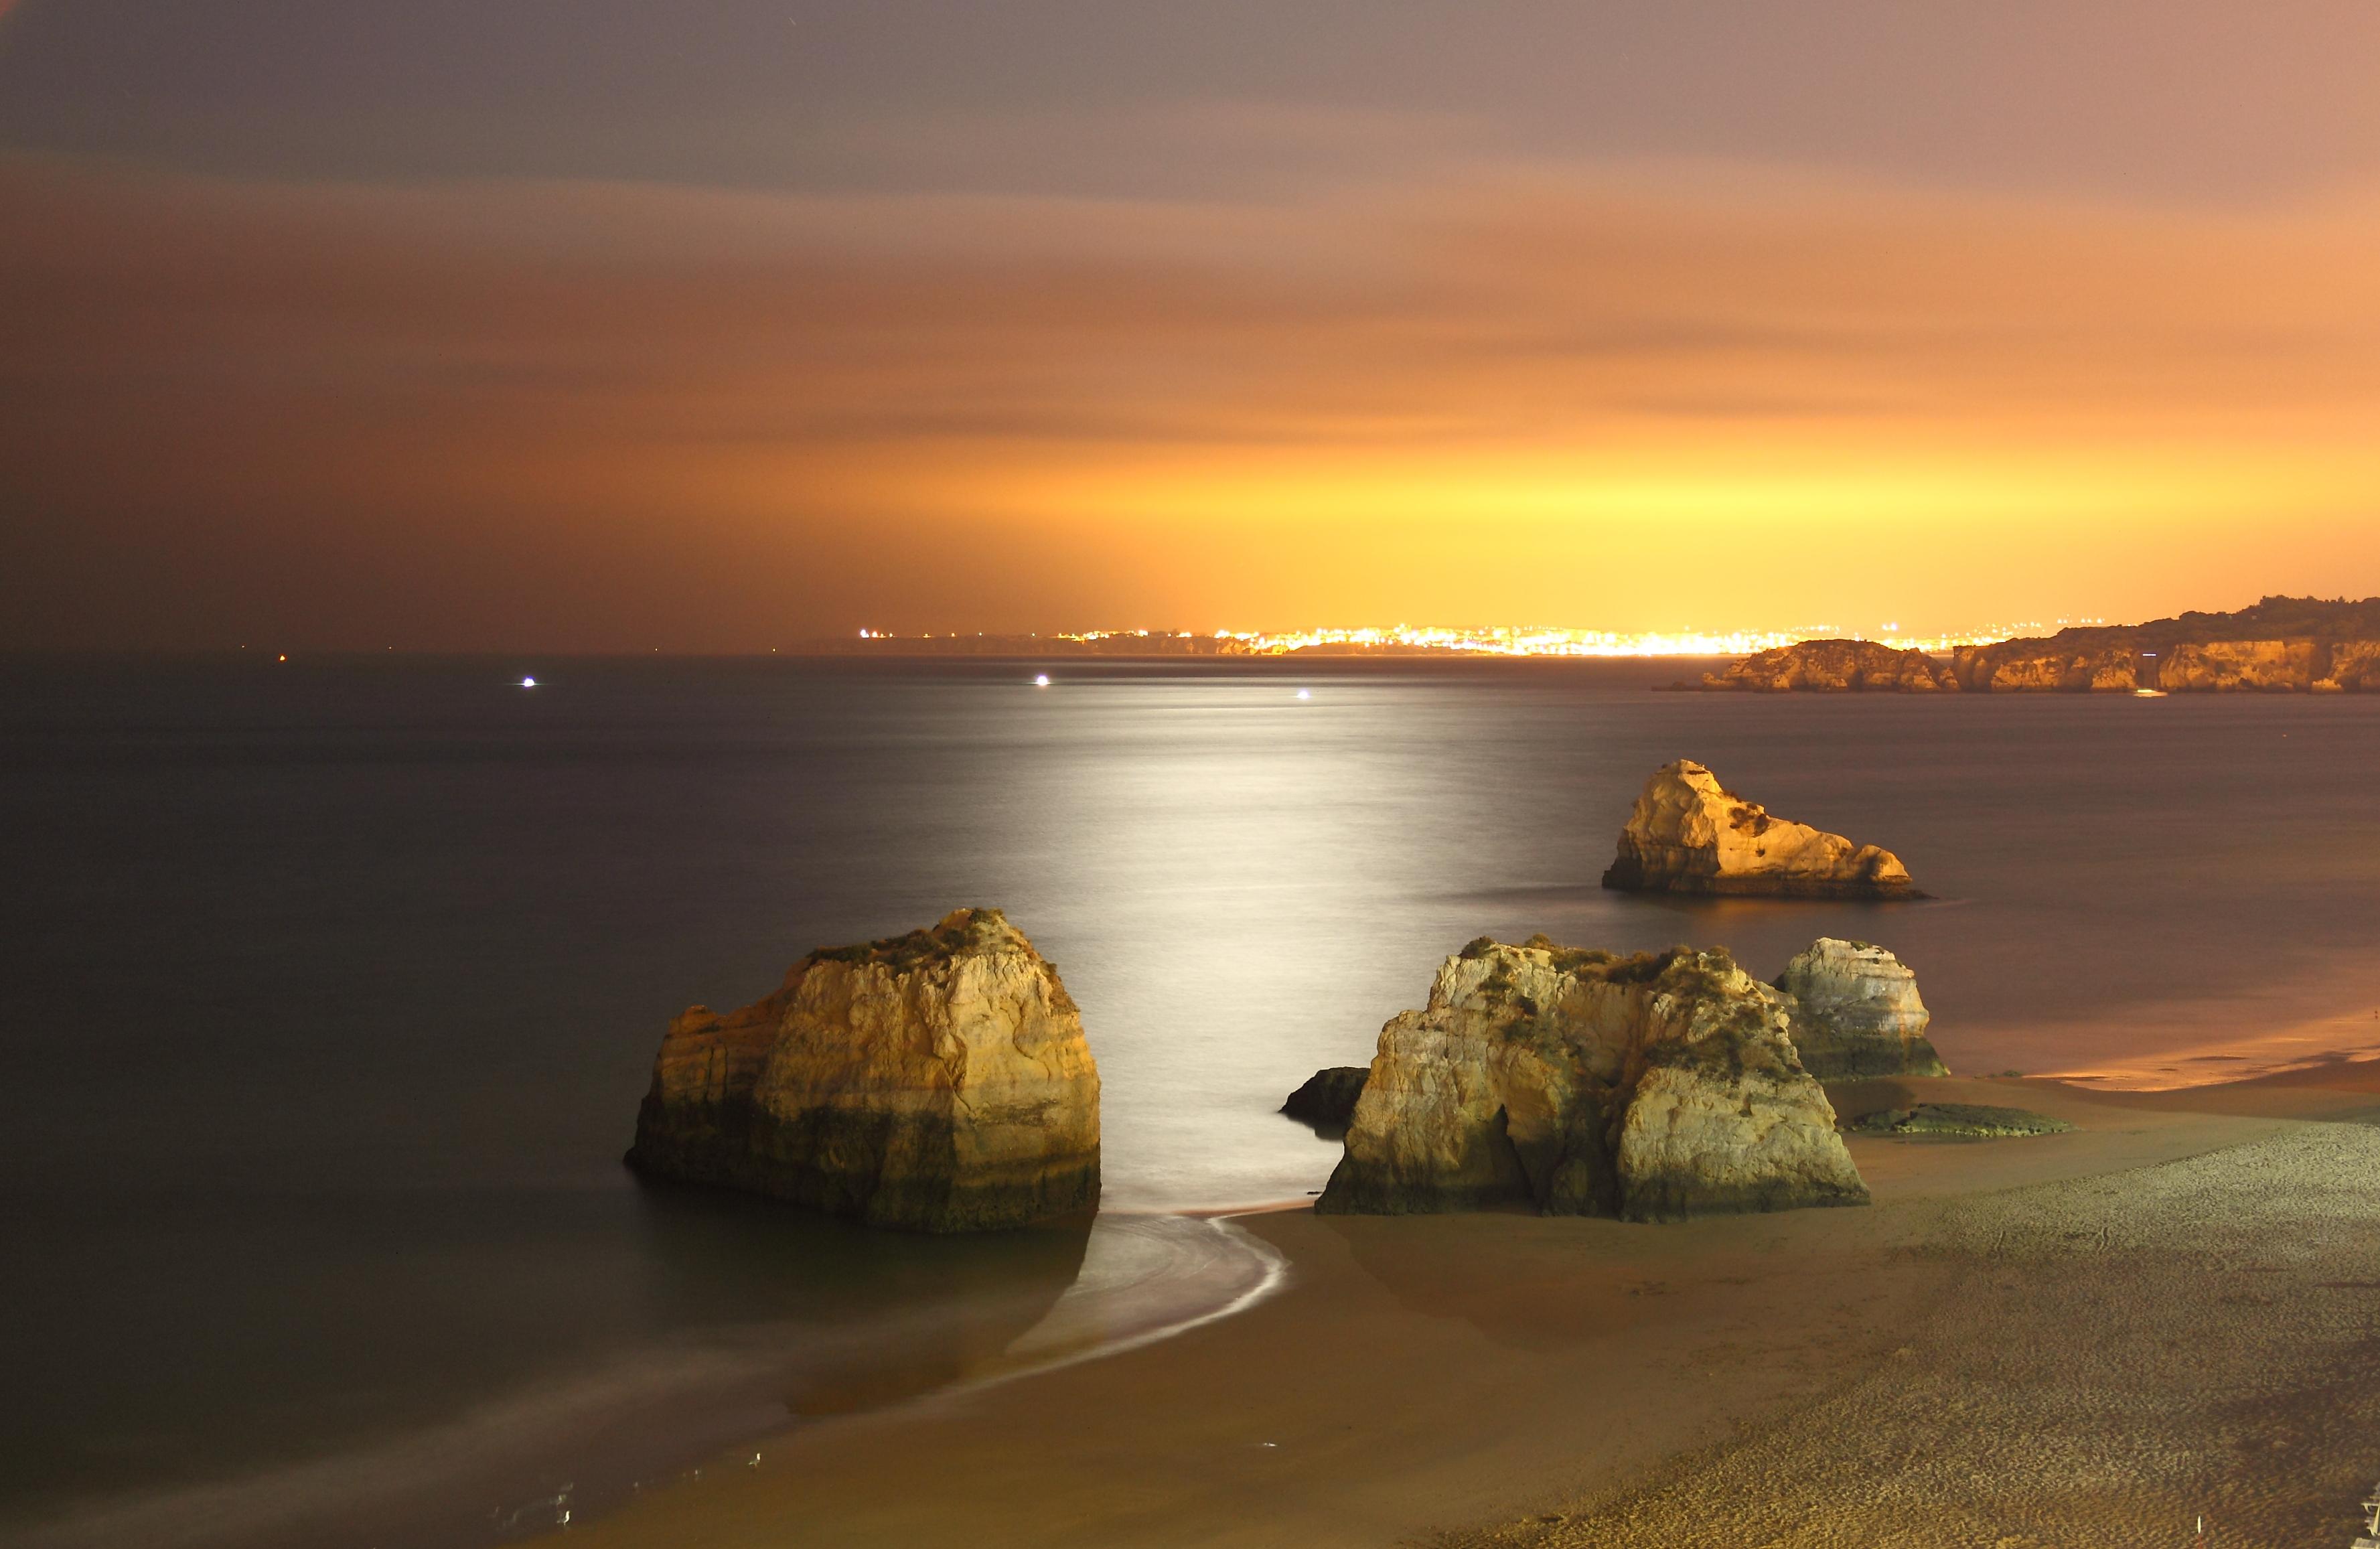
pixel 1199 351
pixel 1509 639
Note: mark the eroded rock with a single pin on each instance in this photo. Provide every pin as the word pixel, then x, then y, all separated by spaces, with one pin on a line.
pixel 938 1081
pixel 1857 1013
pixel 1652 1087
pixel 1835 666
pixel 1689 835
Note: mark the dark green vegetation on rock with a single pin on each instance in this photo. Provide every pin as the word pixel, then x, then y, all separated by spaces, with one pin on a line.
pixel 1974 1120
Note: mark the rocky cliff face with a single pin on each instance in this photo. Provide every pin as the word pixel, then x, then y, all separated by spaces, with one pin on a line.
pixel 1652 1088
pixel 2056 666
pixel 2354 668
pixel 1857 1013
pixel 2218 666
pixel 2282 645
pixel 938 1081
pixel 2299 665
pixel 1688 835
pixel 1835 666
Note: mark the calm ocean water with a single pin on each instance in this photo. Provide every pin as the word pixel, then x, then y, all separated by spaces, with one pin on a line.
pixel 331 990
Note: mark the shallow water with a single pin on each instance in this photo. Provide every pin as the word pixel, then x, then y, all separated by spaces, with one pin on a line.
pixel 331 987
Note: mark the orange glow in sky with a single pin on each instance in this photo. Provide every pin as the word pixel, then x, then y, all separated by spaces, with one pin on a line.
pixel 1612 394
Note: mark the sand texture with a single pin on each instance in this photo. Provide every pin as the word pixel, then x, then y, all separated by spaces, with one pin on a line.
pixel 2072 1339
pixel 2112 1359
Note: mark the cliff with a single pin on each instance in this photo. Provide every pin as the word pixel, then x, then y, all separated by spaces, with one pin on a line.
pixel 1835 666
pixel 2145 658
pixel 2282 645
pixel 1688 835
pixel 1651 1088
pixel 938 1081
pixel 1857 1013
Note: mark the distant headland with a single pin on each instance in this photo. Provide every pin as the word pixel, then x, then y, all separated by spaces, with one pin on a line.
pixel 2301 645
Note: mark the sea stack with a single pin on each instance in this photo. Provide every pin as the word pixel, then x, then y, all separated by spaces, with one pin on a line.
pixel 1857 1013
pixel 1689 835
pixel 1651 1088
pixel 938 1081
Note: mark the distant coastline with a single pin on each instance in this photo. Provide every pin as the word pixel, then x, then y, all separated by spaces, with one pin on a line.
pixel 2282 645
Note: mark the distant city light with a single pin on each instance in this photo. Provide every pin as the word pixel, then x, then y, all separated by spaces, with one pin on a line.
pixel 1502 640
pixel 529 682
pixel 1534 641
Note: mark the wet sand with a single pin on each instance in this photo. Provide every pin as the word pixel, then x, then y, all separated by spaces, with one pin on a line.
pixel 2079 1338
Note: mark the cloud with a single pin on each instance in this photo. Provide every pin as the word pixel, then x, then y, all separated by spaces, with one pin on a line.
pixel 600 413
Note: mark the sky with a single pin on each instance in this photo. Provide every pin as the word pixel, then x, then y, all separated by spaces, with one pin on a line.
pixel 718 326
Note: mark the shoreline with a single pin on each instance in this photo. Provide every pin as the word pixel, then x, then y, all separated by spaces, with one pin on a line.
pixel 1425 1377
pixel 1252 1317
pixel 1146 1277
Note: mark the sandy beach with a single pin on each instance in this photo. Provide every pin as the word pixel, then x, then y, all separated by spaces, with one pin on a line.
pixel 2091 1338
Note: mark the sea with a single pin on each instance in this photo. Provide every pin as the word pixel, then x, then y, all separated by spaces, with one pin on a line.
pixel 328 989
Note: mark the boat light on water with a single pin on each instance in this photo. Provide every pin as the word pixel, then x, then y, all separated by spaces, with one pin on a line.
pixel 529 682
pixel 1042 680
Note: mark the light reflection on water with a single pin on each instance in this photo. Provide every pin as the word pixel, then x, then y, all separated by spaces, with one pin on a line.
pixel 296 944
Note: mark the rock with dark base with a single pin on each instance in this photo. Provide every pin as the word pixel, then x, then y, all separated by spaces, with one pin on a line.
pixel 1687 834
pixel 1651 1088
pixel 1327 1099
pixel 1857 1013
pixel 938 1081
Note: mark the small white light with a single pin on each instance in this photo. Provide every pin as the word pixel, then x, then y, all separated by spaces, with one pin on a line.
pixel 1305 693
pixel 1042 680
pixel 529 682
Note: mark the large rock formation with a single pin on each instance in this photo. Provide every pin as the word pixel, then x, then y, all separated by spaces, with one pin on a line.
pixel 1857 1013
pixel 937 1081
pixel 1835 666
pixel 1652 1088
pixel 1688 835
